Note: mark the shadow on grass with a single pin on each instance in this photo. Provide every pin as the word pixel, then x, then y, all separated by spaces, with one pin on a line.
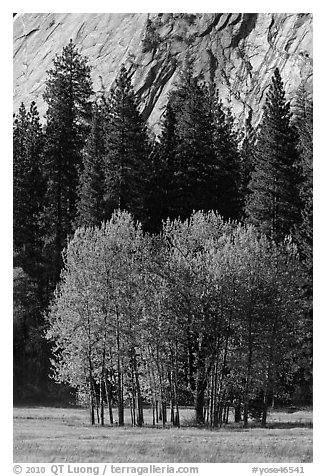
pixel 286 425
pixel 238 427
pixel 73 417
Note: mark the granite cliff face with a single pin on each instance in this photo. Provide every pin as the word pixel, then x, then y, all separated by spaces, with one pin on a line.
pixel 239 51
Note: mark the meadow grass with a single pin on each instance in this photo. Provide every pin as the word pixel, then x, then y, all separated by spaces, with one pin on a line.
pixel 49 435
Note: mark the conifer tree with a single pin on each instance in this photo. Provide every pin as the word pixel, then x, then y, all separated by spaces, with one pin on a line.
pixel 273 204
pixel 28 188
pixel 19 165
pixel 91 204
pixel 162 187
pixel 195 167
pixel 126 162
pixel 303 121
pixel 67 93
pixel 229 200
pixel 30 365
pixel 204 159
pixel 247 157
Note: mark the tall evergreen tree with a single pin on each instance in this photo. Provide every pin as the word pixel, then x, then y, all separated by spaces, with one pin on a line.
pixel 162 189
pixel 28 188
pixel 273 204
pixel 68 91
pixel 199 149
pixel 303 121
pixel 126 163
pixel 92 208
pixel 30 364
pixel 247 157
pixel 195 168
pixel 229 199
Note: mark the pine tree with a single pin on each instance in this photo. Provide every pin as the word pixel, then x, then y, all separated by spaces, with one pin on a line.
pixel 30 365
pixel 204 162
pixel 67 93
pixel 273 204
pixel 229 199
pixel 28 188
pixel 303 121
pixel 92 208
pixel 195 168
pixel 19 165
pixel 247 156
pixel 162 188
pixel 126 162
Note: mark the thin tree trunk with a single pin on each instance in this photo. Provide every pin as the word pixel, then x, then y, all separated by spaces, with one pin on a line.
pixel 227 414
pixel 163 413
pixel 102 402
pixel 163 401
pixel 91 402
pixel 237 411
pixel 216 396
pixel 213 393
pixel 177 416
pixel 109 398
pixel 120 377
pixel 219 407
pixel 269 391
pixel 172 412
pixel 245 414
pixel 140 415
pixel 200 393
pixel 248 376
pixel 153 411
pixel 265 408
pixel 158 417
pixel 152 385
pixel 134 408
pixel 97 407
pixel 132 412
pixel 120 398
pixel 111 410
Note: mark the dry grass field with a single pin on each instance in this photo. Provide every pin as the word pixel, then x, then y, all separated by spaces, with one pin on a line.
pixel 49 435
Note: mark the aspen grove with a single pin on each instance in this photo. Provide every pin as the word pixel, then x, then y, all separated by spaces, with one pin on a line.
pixel 204 313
